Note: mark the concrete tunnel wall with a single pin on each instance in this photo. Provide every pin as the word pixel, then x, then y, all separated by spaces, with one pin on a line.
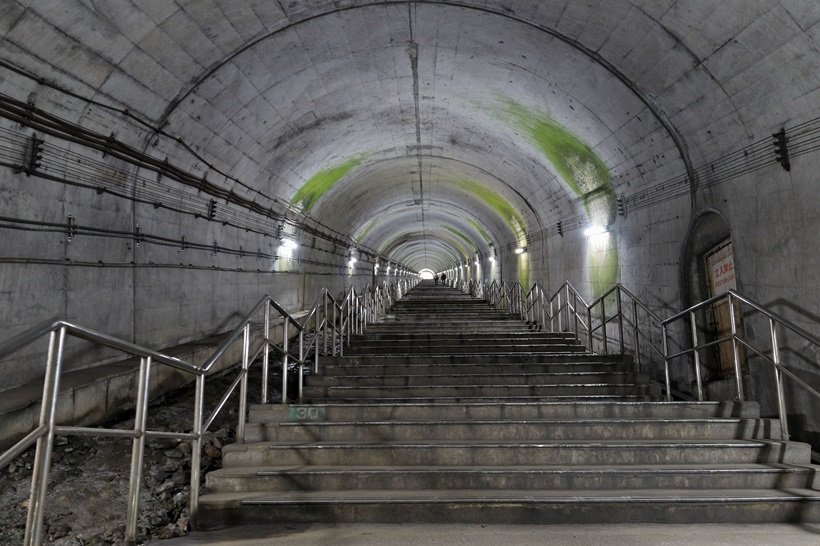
pixel 418 134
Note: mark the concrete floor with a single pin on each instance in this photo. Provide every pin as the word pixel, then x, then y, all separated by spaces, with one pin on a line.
pixel 508 535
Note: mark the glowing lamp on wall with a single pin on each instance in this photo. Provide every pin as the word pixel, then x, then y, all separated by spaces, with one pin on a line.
pixel 594 229
pixel 521 250
pixel 286 248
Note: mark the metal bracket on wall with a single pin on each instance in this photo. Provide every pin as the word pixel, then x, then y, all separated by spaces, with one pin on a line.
pixel 781 149
pixel 71 228
pixel 32 156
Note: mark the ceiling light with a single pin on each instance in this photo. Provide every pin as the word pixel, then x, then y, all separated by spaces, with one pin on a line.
pixel 521 250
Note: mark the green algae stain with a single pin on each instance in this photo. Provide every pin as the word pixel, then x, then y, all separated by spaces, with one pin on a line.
pixel 476 226
pixel 500 205
pixel 462 236
pixel 581 169
pixel 319 184
pixel 365 230
pixel 584 173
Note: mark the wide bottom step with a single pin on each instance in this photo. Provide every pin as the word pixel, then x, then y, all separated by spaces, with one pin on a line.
pixel 525 506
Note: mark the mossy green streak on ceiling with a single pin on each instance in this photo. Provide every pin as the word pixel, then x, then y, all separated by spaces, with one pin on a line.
pixel 462 236
pixel 581 169
pixel 476 226
pixel 363 232
pixel 321 182
pixel 584 173
pixel 498 204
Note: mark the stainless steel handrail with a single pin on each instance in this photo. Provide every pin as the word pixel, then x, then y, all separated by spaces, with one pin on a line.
pixel 355 311
pixel 564 307
pixel 736 339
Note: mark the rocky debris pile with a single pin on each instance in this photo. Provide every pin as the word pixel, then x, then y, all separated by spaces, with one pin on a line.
pixel 88 479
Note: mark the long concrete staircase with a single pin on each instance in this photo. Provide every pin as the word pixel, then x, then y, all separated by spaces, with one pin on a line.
pixel 449 411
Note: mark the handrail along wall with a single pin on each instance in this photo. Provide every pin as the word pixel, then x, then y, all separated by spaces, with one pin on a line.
pixel 332 321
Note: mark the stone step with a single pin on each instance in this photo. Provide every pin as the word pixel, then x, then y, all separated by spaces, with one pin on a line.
pixel 443 321
pixel 475 349
pixel 502 344
pixel 472 390
pixel 474 399
pixel 394 478
pixel 500 368
pixel 456 359
pixel 510 506
pixel 512 430
pixel 259 413
pixel 456 339
pixel 492 377
pixel 452 412
pixel 505 453
pixel 474 328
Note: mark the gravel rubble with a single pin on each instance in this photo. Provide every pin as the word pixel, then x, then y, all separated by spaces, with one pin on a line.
pixel 88 477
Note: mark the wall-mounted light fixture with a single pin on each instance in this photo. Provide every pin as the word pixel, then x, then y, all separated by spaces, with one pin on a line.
pixel 521 250
pixel 594 229
pixel 286 248
pixel 492 259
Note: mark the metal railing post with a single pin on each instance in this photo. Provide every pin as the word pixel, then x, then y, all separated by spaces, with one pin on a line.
pixel 619 308
pixel 735 353
pixel 302 360
pixel 266 355
pixel 560 312
pixel 552 316
pixel 285 326
pixel 566 300
pixel 666 363
pixel 699 383
pixel 349 322
pixel 196 449
pixel 778 379
pixel 137 451
pixel 589 330
pixel 575 315
pixel 603 326
pixel 45 443
pixel 334 331
pixel 636 342
pixel 315 354
pixel 324 329
pixel 243 383
pixel 358 316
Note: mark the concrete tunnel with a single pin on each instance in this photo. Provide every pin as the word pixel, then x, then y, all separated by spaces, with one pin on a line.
pixel 164 164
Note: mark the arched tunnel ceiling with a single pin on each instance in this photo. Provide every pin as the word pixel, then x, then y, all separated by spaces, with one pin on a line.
pixel 427 130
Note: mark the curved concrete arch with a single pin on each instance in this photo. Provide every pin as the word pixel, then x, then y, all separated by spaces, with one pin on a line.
pixel 509 14
pixel 375 189
pixel 398 217
pixel 438 244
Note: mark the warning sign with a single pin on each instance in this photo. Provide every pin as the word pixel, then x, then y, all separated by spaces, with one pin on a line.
pixel 721 270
